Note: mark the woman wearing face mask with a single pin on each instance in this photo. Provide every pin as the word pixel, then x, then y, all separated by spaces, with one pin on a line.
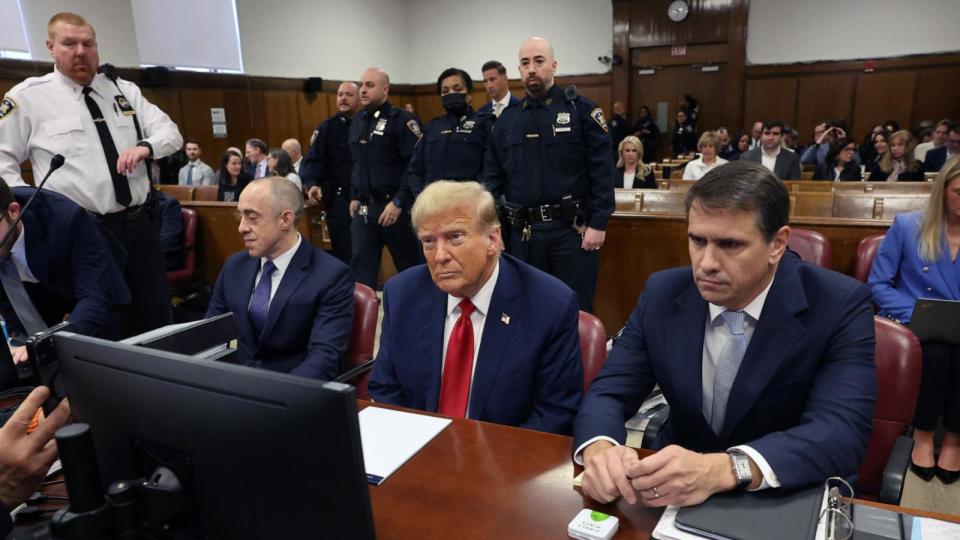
pixel 897 163
pixel 452 145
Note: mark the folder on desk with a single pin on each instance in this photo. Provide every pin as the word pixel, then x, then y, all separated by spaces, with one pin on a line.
pixel 935 320
pixel 390 438
pixel 748 515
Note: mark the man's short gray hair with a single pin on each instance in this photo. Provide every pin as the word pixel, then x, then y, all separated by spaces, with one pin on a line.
pixel 284 195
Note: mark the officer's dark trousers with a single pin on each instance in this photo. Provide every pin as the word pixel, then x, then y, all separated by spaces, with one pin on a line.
pixel 144 270
pixel 369 239
pixel 338 223
pixel 555 248
pixel 939 388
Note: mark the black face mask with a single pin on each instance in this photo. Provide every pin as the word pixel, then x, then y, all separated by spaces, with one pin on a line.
pixel 455 103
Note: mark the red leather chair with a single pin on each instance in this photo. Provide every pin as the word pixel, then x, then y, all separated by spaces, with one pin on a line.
pixel 866 251
pixel 812 247
pixel 358 360
pixel 593 346
pixel 175 277
pixel 899 359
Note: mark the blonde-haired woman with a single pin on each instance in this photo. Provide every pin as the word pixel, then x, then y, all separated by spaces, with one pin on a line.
pixel 918 259
pixel 707 146
pixel 634 173
pixel 897 164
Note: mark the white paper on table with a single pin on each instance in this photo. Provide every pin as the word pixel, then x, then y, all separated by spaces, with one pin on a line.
pixel 934 529
pixel 390 438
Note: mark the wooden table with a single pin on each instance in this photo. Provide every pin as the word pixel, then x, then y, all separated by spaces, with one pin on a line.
pixel 477 480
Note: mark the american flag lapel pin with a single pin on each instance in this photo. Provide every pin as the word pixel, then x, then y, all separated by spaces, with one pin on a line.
pixel 504 318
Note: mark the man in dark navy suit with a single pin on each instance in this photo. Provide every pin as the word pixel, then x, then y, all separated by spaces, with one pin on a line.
pixel 291 301
pixel 491 338
pixel 766 361
pixel 938 156
pixel 62 263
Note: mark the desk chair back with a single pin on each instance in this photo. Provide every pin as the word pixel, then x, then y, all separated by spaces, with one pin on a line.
pixel 812 247
pixel 593 347
pixel 175 277
pixel 866 251
pixel 359 357
pixel 898 359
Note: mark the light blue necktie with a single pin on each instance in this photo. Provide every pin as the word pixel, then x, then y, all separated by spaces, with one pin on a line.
pixel 19 299
pixel 260 300
pixel 190 176
pixel 727 366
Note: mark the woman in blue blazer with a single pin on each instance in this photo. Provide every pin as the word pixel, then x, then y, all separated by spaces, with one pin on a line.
pixel 918 259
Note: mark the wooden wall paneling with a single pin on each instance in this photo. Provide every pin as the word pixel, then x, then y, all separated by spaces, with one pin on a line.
pixel 708 88
pixel 650 26
pixel 822 97
pixel 168 99
pixel 283 118
pixel 620 74
pixel 314 109
pixel 258 115
pixel 428 105
pixel 769 98
pixel 935 94
pixel 197 124
pixel 881 97
pixel 479 96
pixel 712 53
pixel 736 61
pixel 600 93
pixel 239 111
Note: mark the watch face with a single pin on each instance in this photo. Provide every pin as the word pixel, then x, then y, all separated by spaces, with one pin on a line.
pixel 678 10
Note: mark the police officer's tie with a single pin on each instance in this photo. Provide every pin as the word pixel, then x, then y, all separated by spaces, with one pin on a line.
pixel 120 185
pixel 190 175
pixel 727 366
pixel 19 299
pixel 260 300
pixel 458 366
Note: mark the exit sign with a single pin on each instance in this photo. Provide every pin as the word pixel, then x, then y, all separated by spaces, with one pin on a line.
pixel 678 50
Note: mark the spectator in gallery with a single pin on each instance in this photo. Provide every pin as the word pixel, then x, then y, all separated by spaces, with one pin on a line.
pixel 708 160
pixel 840 166
pixel 233 177
pixel 897 164
pixel 279 164
pixel 633 171
pixel 684 135
pixel 649 133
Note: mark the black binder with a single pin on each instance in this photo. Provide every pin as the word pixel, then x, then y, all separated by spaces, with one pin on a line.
pixel 936 320
pixel 751 515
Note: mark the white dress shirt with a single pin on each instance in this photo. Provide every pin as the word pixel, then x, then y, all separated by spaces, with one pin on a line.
pixel 503 104
pixel 769 160
pixel 281 262
pixel 481 303
pixel 920 152
pixel 295 178
pixel 697 168
pixel 49 116
pixel 715 337
pixel 18 252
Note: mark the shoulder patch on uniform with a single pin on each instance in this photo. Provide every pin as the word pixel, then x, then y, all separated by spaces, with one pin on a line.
pixel 597 115
pixel 7 106
pixel 414 128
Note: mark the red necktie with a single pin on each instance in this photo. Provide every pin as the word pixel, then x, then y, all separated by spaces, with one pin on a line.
pixel 457 371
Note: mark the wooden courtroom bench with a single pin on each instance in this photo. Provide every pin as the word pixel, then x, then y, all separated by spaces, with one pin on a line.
pixel 205 193
pixel 883 187
pixel 180 193
pixel 876 205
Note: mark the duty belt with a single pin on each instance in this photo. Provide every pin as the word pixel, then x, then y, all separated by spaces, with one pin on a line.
pixel 132 213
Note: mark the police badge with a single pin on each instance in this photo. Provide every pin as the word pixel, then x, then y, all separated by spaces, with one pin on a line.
pixel 468 125
pixel 124 106
pixel 563 118
pixel 6 107
pixel 381 125
pixel 597 115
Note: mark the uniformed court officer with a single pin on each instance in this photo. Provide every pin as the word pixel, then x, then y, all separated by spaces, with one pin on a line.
pixel 107 131
pixel 326 169
pixel 381 138
pixel 453 145
pixel 551 158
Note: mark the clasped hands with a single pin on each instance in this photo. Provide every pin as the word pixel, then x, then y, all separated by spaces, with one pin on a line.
pixel 672 476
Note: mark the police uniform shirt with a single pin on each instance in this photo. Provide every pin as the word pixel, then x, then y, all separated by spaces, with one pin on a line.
pixel 328 163
pixel 451 148
pixel 575 149
pixel 45 116
pixel 381 144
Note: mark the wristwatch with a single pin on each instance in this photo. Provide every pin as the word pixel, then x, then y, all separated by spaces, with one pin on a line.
pixel 146 145
pixel 741 468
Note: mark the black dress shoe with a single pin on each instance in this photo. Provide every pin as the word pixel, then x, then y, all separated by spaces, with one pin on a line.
pixel 947 477
pixel 925 473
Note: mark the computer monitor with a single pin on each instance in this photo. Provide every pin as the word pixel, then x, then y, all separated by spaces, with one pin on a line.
pixel 260 454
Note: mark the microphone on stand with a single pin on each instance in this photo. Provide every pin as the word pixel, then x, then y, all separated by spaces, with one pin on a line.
pixel 55 163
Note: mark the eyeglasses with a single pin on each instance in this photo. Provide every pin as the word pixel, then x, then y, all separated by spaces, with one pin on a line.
pixel 850 149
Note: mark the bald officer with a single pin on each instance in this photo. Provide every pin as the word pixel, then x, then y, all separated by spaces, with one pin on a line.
pixel 107 131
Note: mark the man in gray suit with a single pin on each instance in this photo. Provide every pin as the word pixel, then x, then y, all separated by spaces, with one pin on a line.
pixel 784 163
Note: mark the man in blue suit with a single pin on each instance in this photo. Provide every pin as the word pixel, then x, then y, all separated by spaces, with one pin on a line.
pixel 469 302
pixel 498 88
pixel 292 302
pixel 766 361
pixel 938 156
pixel 63 265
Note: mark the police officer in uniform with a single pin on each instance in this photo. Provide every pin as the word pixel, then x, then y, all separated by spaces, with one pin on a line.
pixel 327 167
pixel 108 132
pixel 453 145
pixel 382 138
pixel 551 158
